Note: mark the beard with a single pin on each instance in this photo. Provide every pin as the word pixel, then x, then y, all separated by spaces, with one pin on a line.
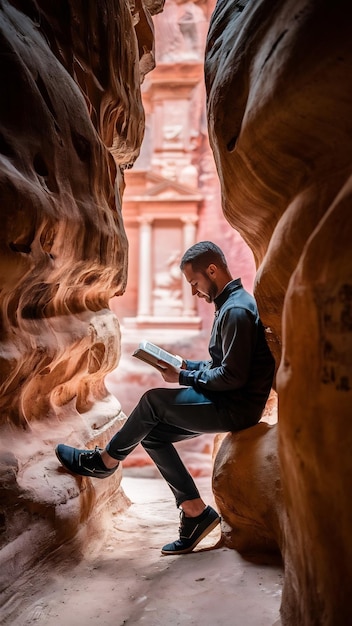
pixel 212 290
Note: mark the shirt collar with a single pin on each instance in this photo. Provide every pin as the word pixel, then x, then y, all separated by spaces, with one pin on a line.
pixel 223 295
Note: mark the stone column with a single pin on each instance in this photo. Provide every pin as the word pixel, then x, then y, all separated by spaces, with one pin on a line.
pixel 189 238
pixel 145 267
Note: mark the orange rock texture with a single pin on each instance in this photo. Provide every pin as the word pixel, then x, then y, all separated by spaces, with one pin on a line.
pixel 71 74
pixel 248 492
pixel 279 85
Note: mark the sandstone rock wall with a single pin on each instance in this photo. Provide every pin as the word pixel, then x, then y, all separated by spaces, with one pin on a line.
pixel 70 74
pixel 279 85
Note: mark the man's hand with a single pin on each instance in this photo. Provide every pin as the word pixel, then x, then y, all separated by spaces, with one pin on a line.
pixel 170 373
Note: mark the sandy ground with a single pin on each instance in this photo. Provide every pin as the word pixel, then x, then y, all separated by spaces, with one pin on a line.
pixel 125 580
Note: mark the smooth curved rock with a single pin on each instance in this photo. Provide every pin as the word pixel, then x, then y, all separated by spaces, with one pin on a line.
pixel 279 86
pixel 71 74
pixel 247 490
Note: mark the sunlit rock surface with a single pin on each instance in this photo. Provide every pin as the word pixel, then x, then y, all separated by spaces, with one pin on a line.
pixel 71 74
pixel 248 491
pixel 279 85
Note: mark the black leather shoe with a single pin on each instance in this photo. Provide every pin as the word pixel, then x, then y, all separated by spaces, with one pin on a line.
pixel 83 462
pixel 192 530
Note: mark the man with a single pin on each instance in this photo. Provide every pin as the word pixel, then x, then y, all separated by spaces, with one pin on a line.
pixel 226 393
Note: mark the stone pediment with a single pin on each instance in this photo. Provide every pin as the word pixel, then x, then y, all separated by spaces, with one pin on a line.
pixel 163 189
pixel 171 190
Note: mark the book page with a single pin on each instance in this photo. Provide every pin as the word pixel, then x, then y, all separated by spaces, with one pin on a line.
pixel 150 353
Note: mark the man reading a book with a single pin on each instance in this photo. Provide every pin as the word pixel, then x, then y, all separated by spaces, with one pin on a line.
pixel 226 393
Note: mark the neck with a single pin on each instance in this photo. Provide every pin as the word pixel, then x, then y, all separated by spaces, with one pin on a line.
pixel 224 280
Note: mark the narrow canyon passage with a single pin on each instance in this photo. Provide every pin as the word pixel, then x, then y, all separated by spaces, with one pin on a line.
pixel 124 580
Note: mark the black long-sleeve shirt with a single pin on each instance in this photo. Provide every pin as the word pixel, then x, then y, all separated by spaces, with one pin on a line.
pixel 240 372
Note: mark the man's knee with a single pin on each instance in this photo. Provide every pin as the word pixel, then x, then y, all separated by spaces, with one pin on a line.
pixel 151 443
pixel 153 398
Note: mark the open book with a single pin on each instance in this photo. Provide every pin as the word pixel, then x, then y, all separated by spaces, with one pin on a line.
pixel 150 353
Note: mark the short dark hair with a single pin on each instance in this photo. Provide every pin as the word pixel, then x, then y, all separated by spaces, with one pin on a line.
pixel 202 254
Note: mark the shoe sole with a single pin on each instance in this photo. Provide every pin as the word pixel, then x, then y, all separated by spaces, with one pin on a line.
pixel 205 532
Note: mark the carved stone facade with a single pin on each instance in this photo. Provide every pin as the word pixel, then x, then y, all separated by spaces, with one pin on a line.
pixel 172 196
pixel 161 222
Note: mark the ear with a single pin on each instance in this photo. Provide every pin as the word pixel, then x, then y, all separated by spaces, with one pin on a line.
pixel 211 270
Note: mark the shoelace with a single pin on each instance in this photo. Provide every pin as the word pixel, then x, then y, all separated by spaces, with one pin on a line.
pixel 96 449
pixel 88 455
pixel 187 526
pixel 182 523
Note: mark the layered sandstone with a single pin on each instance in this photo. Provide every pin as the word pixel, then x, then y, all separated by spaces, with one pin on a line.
pixel 71 74
pixel 279 90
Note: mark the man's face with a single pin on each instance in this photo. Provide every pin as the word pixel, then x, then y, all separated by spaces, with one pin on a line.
pixel 202 283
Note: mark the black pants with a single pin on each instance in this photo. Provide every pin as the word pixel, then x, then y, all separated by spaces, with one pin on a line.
pixel 163 417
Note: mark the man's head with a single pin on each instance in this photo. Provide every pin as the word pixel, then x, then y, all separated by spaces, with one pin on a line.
pixel 205 268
